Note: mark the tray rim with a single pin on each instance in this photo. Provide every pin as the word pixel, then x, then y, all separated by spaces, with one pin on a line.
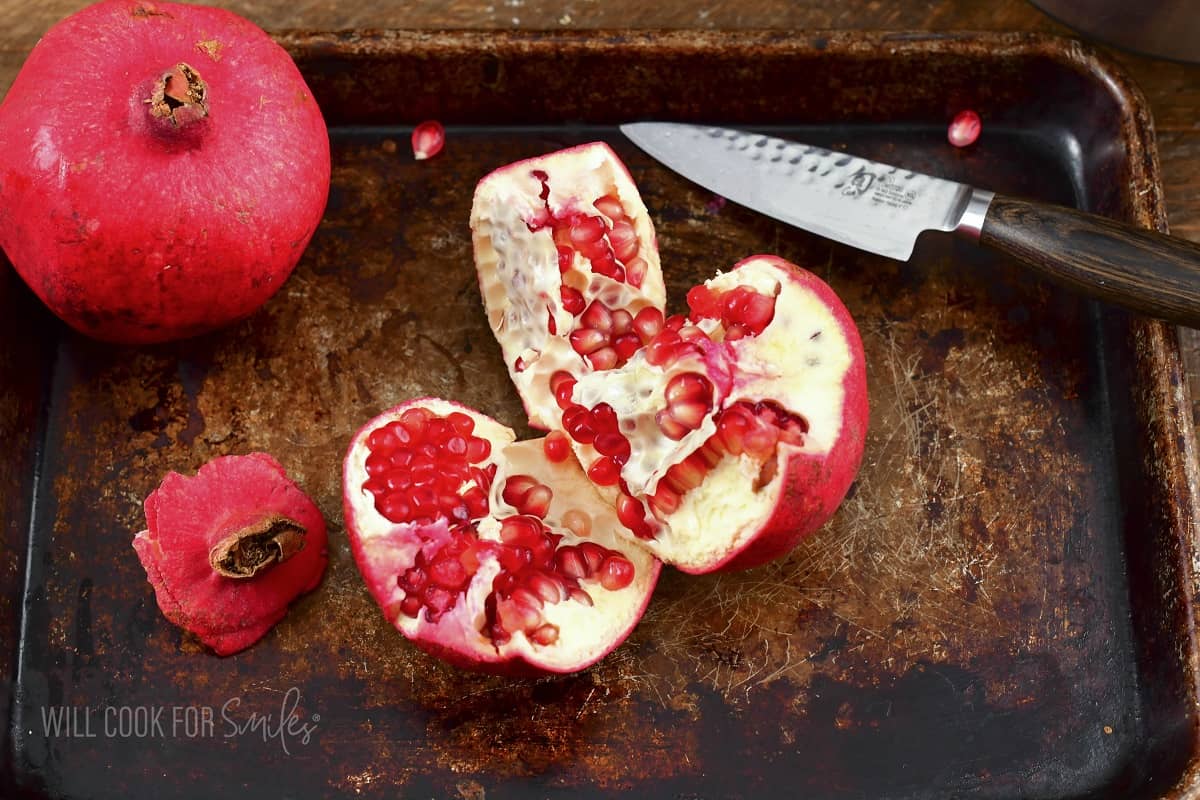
pixel 1157 358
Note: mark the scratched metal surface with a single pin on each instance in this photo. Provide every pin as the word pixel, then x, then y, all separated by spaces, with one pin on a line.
pixel 999 609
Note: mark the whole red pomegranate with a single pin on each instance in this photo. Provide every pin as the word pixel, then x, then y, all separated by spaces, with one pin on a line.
pixel 162 168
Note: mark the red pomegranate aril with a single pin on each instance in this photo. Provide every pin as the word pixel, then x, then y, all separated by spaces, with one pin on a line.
pixel 456 446
pixel 735 332
pixel 622 322
pixel 521 531
pixel 516 487
pixel 626 345
pixel 648 323
pixel 624 240
pixel 593 555
pixel 545 635
pixel 635 271
pixel 604 418
pixel 587 231
pixel 549 589
pixel 572 300
pixel 570 563
pixel 587 340
pixel 964 129
pixel 537 501
pixel 604 358
pixel 604 472
pixel 760 441
pixel 610 207
pixel 461 423
pixel 703 303
pixel 410 606
pixel 632 515
pixel 690 414
pixel 514 615
pixel 566 257
pixel 382 440
pixel 556 446
pixel 414 421
pixel 616 573
pixel 578 522
pixel 670 427
pixel 598 317
pixel 428 138
pixel 689 386
pixel 664 502
pixel 394 508
pixel 448 573
pixel 613 445
pixel 577 421
pixel 377 464
pixel 476 502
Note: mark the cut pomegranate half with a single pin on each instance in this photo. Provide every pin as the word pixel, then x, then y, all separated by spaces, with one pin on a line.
pixel 567 264
pixel 484 551
pixel 737 430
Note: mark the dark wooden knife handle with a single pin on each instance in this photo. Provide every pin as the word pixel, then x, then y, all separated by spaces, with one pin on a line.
pixel 1148 272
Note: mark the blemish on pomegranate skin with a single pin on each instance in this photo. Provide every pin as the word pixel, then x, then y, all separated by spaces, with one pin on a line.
pixel 211 47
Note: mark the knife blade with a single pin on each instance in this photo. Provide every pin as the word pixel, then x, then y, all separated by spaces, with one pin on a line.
pixel 883 208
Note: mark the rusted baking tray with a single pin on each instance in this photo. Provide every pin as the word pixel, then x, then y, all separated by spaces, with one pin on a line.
pixel 1002 608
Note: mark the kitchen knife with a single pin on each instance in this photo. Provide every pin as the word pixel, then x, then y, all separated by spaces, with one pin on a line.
pixel 882 209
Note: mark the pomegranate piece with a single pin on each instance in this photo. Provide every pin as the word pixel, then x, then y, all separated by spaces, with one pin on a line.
pixel 229 549
pixel 964 129
pixel 175 180
pixel 476 554
pixel 567 266
pixel 428 138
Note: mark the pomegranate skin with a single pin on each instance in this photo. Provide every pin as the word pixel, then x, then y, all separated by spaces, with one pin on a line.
pixel 813 486
pixel 136 230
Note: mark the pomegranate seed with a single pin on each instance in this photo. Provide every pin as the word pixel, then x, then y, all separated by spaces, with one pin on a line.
pixel 476 502
pixel 462 423
pixel 428 139
pixel 577 422
pixel 566 257
pixel 632 515
pixel 517 487
pixel 674 322
pixel 518 613
pixel 626 345
pixel 735 332
pixel 394 508
pixel 635 271
pixel 964 129
pixel 604 358
pixel 670 428
pixel 414 421
pixel 578 522
pixel 448 573
pixel 522 531
pixel 570 563
pixel 572 300
pixel 623 239
pixel 613 445
pixel 760 441
pixel 410 606
pixel 664 502
pixel 545 635
pixel 610 207
pixel 587 340
pixel 377 464
pixel 587 231
pixel 551 325
pixel 604 472
pixel 580 596
pixel 648 323
pixel 616 573
pixel 556 446
pixel 593 555
pixel 597 316
pixel 537 501
pixel 478 449
pixel 547 588
pixel 604 418
pixel 703 303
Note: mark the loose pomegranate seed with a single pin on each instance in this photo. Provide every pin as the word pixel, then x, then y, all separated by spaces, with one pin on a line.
pixel 616 573
pixel 604 472
pixel 556 446
pixel 964 129
pixel 428 139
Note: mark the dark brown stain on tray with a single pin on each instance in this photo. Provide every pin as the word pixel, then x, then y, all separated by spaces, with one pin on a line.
pixel 961 627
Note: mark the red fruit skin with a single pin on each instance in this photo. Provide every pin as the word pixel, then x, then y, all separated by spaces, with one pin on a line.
pixel 813 487
pixel 185 516
pixel 379 562
pixel 132 231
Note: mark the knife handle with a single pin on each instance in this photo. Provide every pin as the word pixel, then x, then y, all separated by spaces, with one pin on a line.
pixel 1149 272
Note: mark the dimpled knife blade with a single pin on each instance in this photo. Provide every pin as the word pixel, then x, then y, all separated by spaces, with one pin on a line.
pixel 865 204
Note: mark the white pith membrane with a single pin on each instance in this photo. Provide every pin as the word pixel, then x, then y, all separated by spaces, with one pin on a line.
pixel 519 275
pixel 798 362
pixel 387 549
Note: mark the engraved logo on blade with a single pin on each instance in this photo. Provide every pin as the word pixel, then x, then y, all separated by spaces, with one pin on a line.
pixel 884 189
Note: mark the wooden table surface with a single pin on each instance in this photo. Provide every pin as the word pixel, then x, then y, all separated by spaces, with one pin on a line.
pixel 1173 90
